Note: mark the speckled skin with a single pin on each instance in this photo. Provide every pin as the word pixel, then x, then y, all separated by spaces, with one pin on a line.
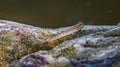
pixel 71 30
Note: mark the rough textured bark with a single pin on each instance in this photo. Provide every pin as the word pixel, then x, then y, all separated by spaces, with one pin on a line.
pixel 92 46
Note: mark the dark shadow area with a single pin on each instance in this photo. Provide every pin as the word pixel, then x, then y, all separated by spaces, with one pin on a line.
pixel 59 13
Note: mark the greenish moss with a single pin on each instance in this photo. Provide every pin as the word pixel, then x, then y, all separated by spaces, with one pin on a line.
pixel 44 36
pixel 59 64
pixel 50 45
pixel 24 45
pixel 117 64
pixel 69 52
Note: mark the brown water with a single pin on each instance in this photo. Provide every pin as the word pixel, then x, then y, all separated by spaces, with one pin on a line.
pixel 57 13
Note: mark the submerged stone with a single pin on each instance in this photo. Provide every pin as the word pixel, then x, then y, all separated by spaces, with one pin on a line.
pixel 93 46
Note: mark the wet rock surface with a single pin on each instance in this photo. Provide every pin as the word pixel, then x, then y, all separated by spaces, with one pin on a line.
pixel 92 46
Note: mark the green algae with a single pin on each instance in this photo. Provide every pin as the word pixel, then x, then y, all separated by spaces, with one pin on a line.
pixel 68 52
pixel 117 65
pixel 60 64
pixel 22 46
pixel 50 45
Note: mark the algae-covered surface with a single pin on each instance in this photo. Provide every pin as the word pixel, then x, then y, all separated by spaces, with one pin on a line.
pixel 24 45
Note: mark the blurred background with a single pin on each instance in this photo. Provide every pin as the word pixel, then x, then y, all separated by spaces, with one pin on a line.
pixel 59 13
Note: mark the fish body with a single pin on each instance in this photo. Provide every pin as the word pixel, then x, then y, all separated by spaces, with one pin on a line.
pixel 67 32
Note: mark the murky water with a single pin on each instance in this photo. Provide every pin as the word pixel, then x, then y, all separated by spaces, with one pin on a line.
pixel 57 13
